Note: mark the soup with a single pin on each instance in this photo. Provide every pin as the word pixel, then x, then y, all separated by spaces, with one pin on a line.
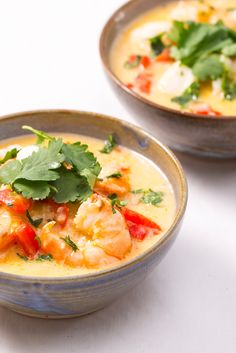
pixel 74 204
pixel 182 55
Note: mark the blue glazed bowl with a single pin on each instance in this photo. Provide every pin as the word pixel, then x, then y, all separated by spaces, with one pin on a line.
pixel 64 297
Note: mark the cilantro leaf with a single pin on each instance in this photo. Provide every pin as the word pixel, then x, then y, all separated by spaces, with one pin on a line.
pixel 109 145
pixel 34 222
pixel 9 155
pixel 10 171
pixel 37 190
pixel 209 68
pixel 70 187
pixel 230 50
pixel 131 63
pixel 43 257
pixel 190 94
pixel 22 257
pixel 150 197
pixel 115 202
pixel 41 135
pixel 157 45
pixel 70 242
pixel 229 88
pixel 82 160
pixel 116 175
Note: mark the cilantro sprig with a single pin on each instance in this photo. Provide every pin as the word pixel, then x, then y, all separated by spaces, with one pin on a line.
pixel 63 172
pixel 109 145
pixel 9 155
pixel 116 202
pixel 190 94
pixel 70 243
pixel 149 196
pixel 34 222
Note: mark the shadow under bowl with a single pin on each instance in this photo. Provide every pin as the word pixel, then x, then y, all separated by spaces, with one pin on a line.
pixel 70 296
pixel 182 131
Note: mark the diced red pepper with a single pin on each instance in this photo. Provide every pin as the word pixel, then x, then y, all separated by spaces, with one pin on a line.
pixel 143 82
pixel 14 201
pixel 26 237
pixel 138 218
pixel 137 231
pixel 132 58
pixel 129 85
pixel 204 109
pixel 145 61
pixel 164 56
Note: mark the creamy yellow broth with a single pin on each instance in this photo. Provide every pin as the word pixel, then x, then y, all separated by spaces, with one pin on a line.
pixel 143 174
pixel 127 44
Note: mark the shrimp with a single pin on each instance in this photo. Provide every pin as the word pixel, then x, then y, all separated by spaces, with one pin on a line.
pixel 101 237
pixel 6 234
pixel 106 229
pixel 53 243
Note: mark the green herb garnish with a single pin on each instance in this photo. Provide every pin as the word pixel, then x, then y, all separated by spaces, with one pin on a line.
pixel 43 257
pixel 9 155
pixel 134 62
pixel 34 222
pixel 190 94
pixel 63 172
pixel 115 202
pixel 150 197
pixel 110 144
pixel 69 242
pixel 22 257
pixel 229 88
pixel 115 175
pixel 157 45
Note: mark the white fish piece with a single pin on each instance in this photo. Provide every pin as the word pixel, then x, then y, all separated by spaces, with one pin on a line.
pixel 26 152
pixel 141 35
pixel 176 79
pixel 184 12
pixel 3 151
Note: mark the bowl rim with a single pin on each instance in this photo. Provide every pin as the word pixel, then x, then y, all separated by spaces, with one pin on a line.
pixel 183 187
pixel 106 65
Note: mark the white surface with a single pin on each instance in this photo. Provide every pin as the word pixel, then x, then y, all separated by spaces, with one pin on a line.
pixel 49 59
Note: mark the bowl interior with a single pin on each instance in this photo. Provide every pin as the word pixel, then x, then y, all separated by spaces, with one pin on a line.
pixel 100 126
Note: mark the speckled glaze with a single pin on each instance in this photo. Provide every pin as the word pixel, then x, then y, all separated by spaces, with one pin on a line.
pixel 185 132
pixel 72 296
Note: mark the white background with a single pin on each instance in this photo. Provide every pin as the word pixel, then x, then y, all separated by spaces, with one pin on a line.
pixel 49 59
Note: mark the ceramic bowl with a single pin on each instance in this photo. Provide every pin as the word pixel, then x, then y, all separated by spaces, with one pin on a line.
pixel 62 297
pixel 185 132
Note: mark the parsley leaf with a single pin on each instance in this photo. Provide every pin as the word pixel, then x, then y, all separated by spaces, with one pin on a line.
pixel 41 135
pixel 34 222
pixel 150 197
pixel 70 187
pixel 70 242
pixel 115 202
pixel 209 68
pixel 110 144
pixel 157 45
pixel 43 257
pixel 115 175
pixel 9 155
pixel 230 50
pixel 190 94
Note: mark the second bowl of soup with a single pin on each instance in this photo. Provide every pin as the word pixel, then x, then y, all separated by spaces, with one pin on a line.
pixel 173 65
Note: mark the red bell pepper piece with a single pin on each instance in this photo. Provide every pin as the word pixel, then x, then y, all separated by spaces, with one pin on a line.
pixel 143 82
pixel 137 231
pixel 14 201
pixel 204 109
pixel 26 237
pixel 145 61
pixel 138 218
